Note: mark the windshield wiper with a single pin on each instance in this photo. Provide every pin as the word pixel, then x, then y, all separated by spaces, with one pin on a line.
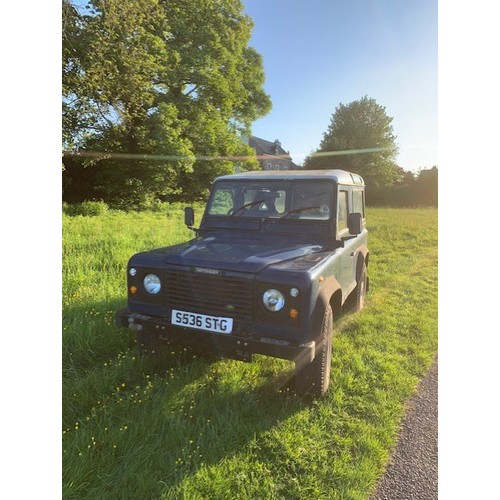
pixel 246 205
pixel 297 211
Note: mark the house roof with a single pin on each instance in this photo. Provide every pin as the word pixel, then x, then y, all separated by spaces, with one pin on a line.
pixel 265 148
pixel 262 146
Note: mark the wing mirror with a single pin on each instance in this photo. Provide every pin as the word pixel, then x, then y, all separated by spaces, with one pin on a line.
pixel 355 223
pixel 189 217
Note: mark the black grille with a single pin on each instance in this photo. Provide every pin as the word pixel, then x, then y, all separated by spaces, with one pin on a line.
pixel 212 295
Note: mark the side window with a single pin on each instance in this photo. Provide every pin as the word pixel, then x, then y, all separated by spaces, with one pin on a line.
pixel 342 211
pixel 358 202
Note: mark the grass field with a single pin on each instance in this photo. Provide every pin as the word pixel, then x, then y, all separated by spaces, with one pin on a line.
pixel 190 427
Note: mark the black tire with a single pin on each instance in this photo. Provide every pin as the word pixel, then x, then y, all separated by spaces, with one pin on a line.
pixel 361 289
pixel 313 379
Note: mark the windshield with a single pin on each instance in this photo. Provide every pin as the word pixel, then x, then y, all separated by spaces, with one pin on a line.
pixel 311 200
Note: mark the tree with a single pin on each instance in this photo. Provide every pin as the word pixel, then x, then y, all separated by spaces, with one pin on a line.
pixel 152 85
pixel 427 186
pixel 72 116
pixel 359 138
pixel 405 177
pixel 419 190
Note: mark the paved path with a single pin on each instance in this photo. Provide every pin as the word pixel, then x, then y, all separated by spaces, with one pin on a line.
pixel 412 473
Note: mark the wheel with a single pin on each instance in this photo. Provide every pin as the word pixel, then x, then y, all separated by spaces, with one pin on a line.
pixel 360 291
pixel 313 379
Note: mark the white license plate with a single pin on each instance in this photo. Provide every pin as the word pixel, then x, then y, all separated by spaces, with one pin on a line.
pixel 202 322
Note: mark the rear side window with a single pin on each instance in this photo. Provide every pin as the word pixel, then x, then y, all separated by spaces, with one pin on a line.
pixel 358 202
pixel 342 211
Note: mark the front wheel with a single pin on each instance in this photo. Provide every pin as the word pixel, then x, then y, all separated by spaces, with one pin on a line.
pixel 313 379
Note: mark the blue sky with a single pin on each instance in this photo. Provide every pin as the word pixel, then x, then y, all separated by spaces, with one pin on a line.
pixel 320 53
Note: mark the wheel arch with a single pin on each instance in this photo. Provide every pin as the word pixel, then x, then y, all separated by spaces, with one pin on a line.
pixel 336 302
pixel 330 294
pixel 363 258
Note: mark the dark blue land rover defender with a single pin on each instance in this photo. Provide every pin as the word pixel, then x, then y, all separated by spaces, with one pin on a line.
pixel 276 256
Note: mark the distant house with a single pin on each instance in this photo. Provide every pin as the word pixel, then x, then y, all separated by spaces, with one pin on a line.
pixel 271 155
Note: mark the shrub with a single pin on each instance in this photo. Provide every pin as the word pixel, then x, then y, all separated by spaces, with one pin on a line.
pixel 419 192
pixel 86 208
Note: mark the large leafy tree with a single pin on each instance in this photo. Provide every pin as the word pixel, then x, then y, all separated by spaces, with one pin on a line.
pixel 152 86
pixel 360 138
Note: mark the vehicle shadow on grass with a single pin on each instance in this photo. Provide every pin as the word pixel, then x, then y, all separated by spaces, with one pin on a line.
pixel 90 332
pixel 195 409
pixel 96 353
pixel 192 425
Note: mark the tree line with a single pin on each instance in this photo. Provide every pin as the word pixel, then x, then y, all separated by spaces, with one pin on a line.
pixel 411 190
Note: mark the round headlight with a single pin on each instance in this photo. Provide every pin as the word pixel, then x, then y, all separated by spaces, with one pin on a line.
pixel 273 300
pixel 132 271
pixel 152 284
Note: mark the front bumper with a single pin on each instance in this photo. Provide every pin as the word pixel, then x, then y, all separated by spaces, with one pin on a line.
pixel 226 345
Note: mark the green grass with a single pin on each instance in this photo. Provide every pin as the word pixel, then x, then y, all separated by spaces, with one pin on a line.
pixel 196 427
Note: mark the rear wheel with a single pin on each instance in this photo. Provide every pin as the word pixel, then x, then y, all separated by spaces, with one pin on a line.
pixel 313 379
